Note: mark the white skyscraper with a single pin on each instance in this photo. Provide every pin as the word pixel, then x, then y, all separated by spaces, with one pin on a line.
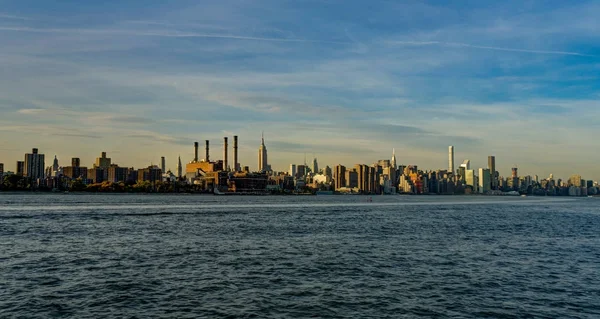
pixel 263 165
pixel 451 159
pixel 393 161
pixel 293 170
pixel 484 180
pixel 34 165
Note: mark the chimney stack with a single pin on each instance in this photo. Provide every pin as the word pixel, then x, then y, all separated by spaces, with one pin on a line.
pixel 225 146
pixel 207 159
pixel 235 154
pixel 195 151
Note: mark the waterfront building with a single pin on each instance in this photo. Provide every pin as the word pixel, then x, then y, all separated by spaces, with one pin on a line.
pixel 339 176
pixel 20 167
pixel 315 166
pixel 33 166
pixel 351 179
pixel 301 171
pixel 293 170
pixel 327 172
pixel 575 180
pixel 74 172
pixel 484 180
pixel 75 162
pixel 470 179
pixel 150 174
pixel 462 169
pixel 492 168
pixel 96 175
pixel 117 174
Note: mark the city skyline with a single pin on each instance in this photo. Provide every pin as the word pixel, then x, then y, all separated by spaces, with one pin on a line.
pixel 349 86
pixel 104 161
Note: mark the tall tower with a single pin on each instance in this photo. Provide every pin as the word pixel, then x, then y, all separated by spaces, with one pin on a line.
pixel 236 164
pixel 207 150
pixel 262 155
pixel 55 165
pixel 34 165
pixel 492 167
pixel 315 166
pixel 451 159
pixel 393 161
pixel 163 164
pixel 225 148
pixel 179 167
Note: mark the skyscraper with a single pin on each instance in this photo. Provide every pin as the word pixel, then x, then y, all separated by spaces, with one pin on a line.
pixel 451 160
pixel 327 171
pixel 484 180
pixel 393 161
pixel 463 168
pixel 55 165
pixel 293 171
pixel 340 176
pixel 315 166
pixel 75 162
pixel 262 155
pixel 34 165
pixel 162 164
pixel 20 169
pixel 179 167
pixel 1 170
pixel 102 162
pixel 492 167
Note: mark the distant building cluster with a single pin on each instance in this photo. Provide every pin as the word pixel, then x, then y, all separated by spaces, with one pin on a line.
pixel 224 177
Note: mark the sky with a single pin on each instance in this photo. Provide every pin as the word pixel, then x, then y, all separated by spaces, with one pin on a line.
pixel 345 81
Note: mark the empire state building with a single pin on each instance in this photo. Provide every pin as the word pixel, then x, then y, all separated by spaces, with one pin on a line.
pixel 263 165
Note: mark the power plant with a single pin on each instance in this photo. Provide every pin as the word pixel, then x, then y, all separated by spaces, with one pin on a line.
pixel 218 176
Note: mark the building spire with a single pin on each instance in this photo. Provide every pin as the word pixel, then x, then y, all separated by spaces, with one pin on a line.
pixel 262 137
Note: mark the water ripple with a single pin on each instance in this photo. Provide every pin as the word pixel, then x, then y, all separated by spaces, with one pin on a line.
pixel 89 256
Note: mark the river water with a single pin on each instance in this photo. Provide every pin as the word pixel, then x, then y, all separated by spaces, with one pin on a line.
pixel 142 256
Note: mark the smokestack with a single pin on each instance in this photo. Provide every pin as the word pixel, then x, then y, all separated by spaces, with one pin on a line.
pixel 195 151
pixel 225 146
pixel 235 153
pixel 162 164
pixel 207 159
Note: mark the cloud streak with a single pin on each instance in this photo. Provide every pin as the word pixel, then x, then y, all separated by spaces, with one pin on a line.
pixel 483 47
pixel 163 33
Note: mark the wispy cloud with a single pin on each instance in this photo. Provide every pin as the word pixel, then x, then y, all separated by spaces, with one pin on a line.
pixel 483 47
pixel 15 17
pixel 162 33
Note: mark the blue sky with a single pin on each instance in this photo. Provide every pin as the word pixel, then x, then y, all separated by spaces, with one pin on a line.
pixel 344 80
